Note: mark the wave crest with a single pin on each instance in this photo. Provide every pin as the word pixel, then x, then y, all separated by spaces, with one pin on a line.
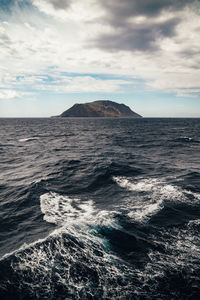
pixel 148 196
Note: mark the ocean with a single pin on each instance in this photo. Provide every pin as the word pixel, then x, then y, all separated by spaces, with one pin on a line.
pixel 99 208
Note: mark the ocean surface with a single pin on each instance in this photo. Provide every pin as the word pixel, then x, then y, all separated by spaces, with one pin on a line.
pixel 99 209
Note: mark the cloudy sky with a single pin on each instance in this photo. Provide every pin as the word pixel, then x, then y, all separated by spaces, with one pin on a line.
pixel 144 53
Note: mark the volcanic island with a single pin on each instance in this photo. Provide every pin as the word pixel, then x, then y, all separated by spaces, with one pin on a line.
pixel 99 109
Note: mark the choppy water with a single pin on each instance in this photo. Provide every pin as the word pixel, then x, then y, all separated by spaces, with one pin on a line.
pixel 99 209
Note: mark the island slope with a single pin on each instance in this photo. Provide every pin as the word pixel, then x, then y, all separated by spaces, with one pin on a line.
pixel 100 108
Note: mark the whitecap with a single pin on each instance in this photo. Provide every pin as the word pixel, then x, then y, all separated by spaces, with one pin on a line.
pixel 60 209
pixel 148 196
pixel 28 139
pixel 72 216
pixel 75 242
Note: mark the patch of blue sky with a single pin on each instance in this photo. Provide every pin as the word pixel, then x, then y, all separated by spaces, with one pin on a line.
pixel 102 76
pixel 7 5
pixel 56 79
pixel 42 78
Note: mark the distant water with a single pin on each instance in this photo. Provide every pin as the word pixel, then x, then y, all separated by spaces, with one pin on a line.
pixel 99 209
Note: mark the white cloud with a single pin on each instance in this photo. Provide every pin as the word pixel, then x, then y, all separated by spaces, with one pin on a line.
pixel 84 84
pixel 73 10
pixel 59 83
pixel 59 35
pixel 9 94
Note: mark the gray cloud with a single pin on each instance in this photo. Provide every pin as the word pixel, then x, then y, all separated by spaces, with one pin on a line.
pixel 6 44
pixel 187 53
pixel 60 4
pixel 128 8
pixel 140 37
pixel 4 38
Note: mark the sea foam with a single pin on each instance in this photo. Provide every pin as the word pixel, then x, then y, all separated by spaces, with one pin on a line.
pixel 149 195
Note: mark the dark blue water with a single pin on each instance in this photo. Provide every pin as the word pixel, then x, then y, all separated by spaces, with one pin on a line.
pixel 99 209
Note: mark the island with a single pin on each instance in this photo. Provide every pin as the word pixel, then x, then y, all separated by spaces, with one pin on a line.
pixel 100 108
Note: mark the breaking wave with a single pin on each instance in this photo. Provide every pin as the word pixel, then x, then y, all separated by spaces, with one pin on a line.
pixel 150 196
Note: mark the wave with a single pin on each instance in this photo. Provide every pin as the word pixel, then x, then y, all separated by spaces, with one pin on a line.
pixel 93 254
pixel 186 139
pixel 28 139
pixel 59 209
pixel 74 261
pixel 151 195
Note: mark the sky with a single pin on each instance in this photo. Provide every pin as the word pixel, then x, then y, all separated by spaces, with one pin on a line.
pixel 143 53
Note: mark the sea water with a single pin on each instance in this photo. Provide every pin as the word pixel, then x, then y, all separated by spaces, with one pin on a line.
pixel 99 208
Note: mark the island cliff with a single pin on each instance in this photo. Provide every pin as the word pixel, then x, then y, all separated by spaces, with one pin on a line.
pixel 100 108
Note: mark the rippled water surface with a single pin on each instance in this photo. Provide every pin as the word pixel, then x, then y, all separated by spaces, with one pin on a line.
pixel 99 209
